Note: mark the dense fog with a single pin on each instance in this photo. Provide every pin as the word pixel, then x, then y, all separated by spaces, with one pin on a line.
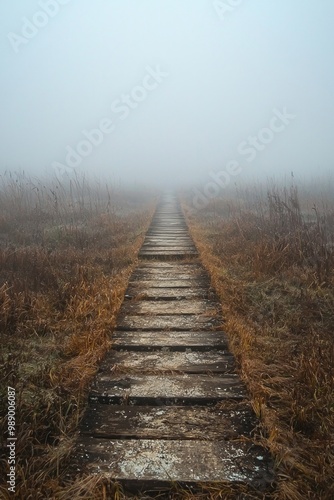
pixel 168 91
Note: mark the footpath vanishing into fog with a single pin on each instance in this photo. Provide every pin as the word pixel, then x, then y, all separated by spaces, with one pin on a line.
pixel 167 405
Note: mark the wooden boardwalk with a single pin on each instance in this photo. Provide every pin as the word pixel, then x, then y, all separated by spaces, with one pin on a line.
pixel 167 405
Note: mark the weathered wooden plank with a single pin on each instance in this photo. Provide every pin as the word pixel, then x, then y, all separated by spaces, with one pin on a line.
pixel 169 422
pixel 174 341
pixel 162 267
pixel 163 293
pixel 168 242
pixel 151 268
pixel 186 362
pixel 166 389
pixel 168 251
pixel 185 307
pixel 143 274
pixel 170 283
pixel 176 322
pixel 185 461
pixel 155 266
pixel 168 275
pixel 175 233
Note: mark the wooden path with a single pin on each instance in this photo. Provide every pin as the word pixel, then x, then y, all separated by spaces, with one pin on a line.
pixel 167 404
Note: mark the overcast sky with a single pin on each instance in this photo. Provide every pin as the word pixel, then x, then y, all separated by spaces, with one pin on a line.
pixel 167 89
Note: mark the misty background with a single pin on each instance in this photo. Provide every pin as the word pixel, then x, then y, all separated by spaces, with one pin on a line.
pixel 221 69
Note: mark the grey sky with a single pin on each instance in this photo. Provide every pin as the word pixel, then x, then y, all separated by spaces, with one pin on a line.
pixel 226 75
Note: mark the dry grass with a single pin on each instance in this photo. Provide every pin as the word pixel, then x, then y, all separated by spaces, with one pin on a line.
pixel 66 252
pixel 271 261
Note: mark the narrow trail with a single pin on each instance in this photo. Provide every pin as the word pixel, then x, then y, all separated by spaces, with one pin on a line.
pixel 167 404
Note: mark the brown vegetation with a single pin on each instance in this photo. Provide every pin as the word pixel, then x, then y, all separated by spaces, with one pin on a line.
pixel 66 251
pixel 271 260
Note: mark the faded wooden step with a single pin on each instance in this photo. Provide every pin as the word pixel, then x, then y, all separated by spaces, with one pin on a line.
pixel 175 266
pixel 177 322
pixel 170 253
pixel 167 275
pixel 184 307
pixel 155 463
pixel 146 292
pixel 152 282
pixel 166 389
pixel 169 422
pixel 185 271
pixel 174 341
pixel 185 361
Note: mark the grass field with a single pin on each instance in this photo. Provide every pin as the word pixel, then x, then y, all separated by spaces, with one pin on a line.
pixel 66 251
pixel 270 254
